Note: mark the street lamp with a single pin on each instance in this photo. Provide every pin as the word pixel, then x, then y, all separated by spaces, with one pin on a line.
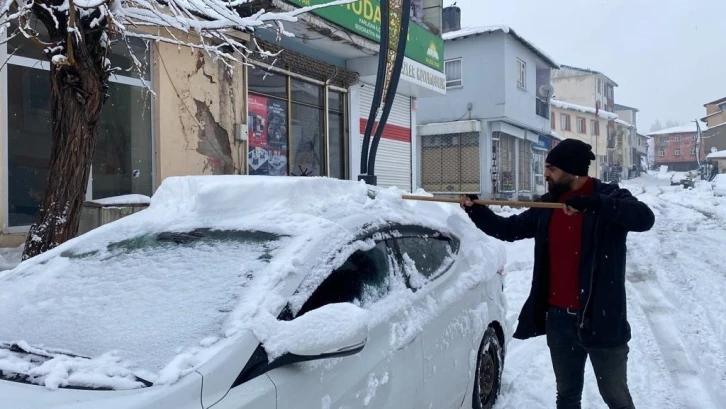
pixel 395 15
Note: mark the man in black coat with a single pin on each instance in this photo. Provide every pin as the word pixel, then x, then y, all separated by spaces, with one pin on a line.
pixel 578 284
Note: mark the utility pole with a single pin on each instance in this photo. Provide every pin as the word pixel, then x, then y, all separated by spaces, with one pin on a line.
pixel 395 16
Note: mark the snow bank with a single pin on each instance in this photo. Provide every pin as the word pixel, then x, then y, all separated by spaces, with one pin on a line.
pixel 162 309
pixel 123 200
pixel 10 257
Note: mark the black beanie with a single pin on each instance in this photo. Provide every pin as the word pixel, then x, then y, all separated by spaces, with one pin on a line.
pixel 572 156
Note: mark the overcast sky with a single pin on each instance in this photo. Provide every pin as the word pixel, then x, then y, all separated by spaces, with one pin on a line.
pixel 667 56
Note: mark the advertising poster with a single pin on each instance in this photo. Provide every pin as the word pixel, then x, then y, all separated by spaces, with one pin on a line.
pixel 257 155
pixel 277 137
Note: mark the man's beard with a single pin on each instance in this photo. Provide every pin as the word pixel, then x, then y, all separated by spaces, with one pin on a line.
pixel 558 188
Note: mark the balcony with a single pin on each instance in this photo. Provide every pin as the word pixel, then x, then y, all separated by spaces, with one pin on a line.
pixel 543 108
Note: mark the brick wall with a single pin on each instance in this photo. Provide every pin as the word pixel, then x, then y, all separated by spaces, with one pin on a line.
pixel 671 144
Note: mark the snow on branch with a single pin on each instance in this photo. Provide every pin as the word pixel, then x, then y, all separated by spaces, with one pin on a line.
pixel 207 23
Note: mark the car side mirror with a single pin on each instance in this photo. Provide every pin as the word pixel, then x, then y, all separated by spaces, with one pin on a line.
pixel 331 331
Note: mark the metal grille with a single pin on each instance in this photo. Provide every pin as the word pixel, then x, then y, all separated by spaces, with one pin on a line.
pixel 525 166
pixel 450 163
pixel 507 156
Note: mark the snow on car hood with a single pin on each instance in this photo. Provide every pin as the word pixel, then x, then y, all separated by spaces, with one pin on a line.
pixel 140 307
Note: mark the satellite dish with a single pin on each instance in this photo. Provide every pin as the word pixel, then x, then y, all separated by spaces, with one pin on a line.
pixel 713 149
pixel 546 90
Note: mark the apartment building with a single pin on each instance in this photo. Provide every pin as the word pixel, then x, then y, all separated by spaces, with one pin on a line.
pixel 677 148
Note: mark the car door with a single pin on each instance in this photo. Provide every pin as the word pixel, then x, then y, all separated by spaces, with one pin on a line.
pixel 457 312
pixel 381 375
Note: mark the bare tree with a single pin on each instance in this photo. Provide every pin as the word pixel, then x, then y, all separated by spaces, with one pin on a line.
pixel 80 33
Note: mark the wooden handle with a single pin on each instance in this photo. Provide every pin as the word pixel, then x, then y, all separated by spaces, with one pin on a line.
pixel 541 205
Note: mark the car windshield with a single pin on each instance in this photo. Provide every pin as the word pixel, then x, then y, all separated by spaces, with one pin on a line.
pixel 146 298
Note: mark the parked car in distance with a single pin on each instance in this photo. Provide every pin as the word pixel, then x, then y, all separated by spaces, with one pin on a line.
pixel 244 292
pixel 686 179
pixel 719 185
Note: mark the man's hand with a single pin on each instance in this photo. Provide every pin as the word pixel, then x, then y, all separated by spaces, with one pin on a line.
pixel 582 204
pixel 467 200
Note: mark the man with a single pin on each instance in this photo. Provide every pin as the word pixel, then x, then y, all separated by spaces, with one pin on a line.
pixel 578 285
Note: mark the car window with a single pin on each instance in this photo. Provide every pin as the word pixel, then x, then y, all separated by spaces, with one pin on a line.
pixel 363 279
pixel 425 257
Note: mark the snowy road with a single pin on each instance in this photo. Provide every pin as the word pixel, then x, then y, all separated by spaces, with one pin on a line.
pixel 676 285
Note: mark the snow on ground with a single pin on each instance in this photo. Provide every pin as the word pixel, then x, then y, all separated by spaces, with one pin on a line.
pixel 10 257
pixel 676 304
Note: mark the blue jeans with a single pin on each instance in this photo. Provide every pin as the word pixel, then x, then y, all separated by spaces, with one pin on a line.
pixel 568 360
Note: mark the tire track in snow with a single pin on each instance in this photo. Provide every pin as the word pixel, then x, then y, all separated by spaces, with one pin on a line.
pixel 651 258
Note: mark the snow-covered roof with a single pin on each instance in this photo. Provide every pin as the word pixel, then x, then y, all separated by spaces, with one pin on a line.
pixel 589 71
pixel 688 128
pixel 472 31
pixel 566 105
pixel 716 155
pixel 557 136
pixel 139 305
pixel 621 122
pixel 621 107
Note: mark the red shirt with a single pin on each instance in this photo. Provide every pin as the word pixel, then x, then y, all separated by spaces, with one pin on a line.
pixel 565 245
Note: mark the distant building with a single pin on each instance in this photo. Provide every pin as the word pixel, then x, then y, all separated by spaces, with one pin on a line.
pixel 676 148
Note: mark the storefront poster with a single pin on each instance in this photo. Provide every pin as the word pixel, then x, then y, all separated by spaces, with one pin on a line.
pixel 267 154
pixel 363 17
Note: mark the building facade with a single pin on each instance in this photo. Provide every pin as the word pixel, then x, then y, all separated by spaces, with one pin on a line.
pixel 490 133
pixel 300 113
pixel 715 120
pixel 676 148
pixel 573 121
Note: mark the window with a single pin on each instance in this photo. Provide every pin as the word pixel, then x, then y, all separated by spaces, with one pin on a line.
pixel 661 152
pixel 599 86
pixel 664 139
pixel 553 122
pixel 594 127
pixel 677 138
pixel 364 279
pixel 522 77
pixel 581 125
pixel 453 73
pixel 565 122
pixel 123 159
pixel 678 152
pixel 694 137
pixel 293 136
pixel 609 91
pixel 425 257
pixel 693 151
pixel 337 131
pixel 538 167
pixel 722 106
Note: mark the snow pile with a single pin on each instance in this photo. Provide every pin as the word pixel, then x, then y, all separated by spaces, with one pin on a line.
pixel 165 306
pixel 10 257
pixel 123 200
pixel 574 107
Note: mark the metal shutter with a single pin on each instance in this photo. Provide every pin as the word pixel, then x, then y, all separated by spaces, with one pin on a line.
pixel 393 159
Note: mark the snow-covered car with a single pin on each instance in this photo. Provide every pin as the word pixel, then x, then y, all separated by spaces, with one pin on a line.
pixel 719 185
pixel 686 179
pixel 238 292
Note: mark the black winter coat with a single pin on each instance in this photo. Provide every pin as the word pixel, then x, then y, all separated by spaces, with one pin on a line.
pixel 603 321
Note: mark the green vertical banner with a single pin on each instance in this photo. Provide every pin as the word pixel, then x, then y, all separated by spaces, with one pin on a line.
pixel 363 17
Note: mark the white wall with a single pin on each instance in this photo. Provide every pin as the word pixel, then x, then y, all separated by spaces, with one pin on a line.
pixel 521 104
pixel 483 82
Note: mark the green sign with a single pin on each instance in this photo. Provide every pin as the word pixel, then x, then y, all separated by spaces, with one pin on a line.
pixel 363 17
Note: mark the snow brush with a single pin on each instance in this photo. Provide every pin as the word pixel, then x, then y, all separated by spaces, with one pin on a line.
pixel 541 205
pixel 441 199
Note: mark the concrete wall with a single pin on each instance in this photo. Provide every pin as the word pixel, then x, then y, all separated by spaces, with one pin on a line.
pixel 579 90
pixel 521 104
pixel 483 79
pixel 198 102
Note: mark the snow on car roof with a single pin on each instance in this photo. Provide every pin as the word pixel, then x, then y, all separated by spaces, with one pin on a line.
pixel 162 312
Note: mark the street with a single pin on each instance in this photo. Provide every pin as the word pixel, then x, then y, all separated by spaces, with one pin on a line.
pixel 676 304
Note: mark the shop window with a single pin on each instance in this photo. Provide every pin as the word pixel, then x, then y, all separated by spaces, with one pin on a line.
pixel 538 164
pixel 122 162
pixel 306 144
pixel 294 142
pixel 267 83
pixel 336 134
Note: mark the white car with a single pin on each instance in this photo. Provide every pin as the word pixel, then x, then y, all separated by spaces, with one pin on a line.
pixel 236 292
pixel 719 185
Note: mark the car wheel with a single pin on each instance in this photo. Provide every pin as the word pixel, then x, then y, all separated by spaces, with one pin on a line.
pixel 488 376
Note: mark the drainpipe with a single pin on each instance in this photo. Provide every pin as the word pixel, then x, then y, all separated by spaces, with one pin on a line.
pixel 388 75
